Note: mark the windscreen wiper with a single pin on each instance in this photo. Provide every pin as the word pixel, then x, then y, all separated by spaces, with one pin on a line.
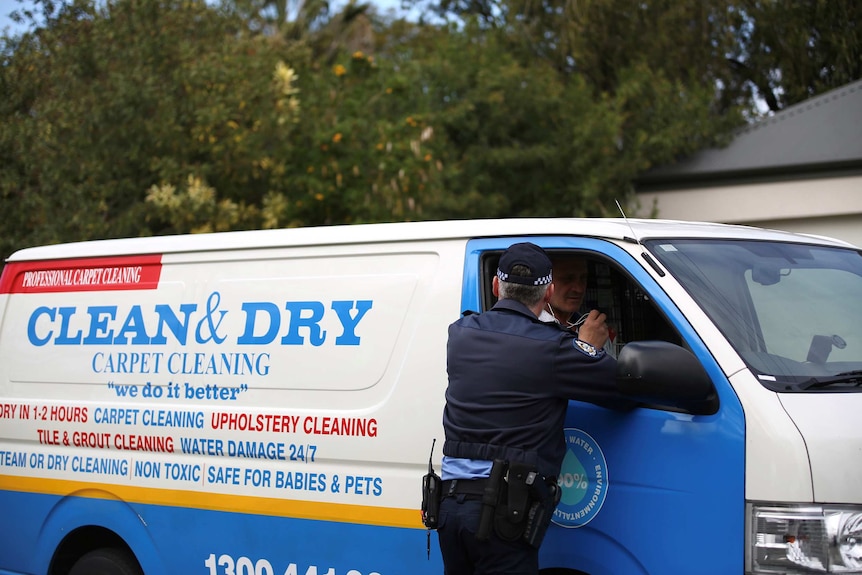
pixel 854 377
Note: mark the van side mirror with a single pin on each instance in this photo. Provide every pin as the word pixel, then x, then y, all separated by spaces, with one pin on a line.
pixel 664 375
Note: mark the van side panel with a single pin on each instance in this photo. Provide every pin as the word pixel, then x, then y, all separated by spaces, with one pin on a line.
pixel 254 411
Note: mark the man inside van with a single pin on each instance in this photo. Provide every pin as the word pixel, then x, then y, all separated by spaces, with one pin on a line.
pixel 510 379
pixel 570 285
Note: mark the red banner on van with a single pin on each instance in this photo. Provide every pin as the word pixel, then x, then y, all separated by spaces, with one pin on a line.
pixel 82 274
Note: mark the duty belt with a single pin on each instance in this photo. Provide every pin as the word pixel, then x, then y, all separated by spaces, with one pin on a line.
pixel 453 487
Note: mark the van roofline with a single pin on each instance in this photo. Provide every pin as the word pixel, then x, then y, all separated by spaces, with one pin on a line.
pixel 607 228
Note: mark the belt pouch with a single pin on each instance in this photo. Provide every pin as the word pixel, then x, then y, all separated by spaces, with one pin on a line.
pixel 431 487
pixel 490 498
pixel 431 496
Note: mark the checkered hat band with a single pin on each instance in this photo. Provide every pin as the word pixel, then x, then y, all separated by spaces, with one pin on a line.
pixel 504 277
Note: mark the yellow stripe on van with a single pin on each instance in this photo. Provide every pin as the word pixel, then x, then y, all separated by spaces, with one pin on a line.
pixel 322 511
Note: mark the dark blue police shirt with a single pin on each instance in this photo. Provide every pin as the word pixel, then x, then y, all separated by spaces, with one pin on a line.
pixel 510 379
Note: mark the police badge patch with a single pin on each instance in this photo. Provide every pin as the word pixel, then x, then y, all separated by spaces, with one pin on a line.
pixel 588 349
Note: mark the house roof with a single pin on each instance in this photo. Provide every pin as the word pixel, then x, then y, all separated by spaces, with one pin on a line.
pixel 823 133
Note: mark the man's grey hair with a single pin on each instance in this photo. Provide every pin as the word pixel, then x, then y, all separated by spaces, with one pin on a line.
pixel 527 295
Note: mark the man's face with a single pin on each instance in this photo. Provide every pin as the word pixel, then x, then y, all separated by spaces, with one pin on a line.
pixel 570 283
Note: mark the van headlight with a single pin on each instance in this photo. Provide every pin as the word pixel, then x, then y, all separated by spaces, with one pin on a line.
pixel 796 539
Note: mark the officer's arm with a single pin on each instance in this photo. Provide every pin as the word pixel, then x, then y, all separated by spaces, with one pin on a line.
pixel 585 372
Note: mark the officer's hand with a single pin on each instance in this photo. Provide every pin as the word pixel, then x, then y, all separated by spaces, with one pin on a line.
pixel 594 330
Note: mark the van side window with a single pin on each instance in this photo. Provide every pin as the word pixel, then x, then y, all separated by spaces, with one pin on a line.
pixel 631 313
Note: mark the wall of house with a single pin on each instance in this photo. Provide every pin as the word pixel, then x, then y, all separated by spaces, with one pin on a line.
pixel 824 206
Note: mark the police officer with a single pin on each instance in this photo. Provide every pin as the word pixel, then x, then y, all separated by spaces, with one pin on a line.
pixel 510 379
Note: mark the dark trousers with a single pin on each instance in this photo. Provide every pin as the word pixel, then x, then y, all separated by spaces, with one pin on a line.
pixel 464 555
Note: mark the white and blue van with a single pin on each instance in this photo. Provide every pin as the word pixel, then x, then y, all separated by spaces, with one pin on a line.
pixel 264 402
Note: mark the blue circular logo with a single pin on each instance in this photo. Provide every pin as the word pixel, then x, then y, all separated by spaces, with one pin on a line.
pixel 583 479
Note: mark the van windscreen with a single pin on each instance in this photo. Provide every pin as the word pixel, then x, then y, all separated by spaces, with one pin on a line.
pixel 792 311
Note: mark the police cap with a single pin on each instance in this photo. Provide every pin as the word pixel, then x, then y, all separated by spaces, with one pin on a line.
pixel 532 257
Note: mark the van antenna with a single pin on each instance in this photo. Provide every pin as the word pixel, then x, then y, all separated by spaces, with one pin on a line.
pixel 635 239
pixel 644 253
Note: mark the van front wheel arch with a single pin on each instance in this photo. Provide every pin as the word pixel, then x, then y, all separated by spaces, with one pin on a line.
pixel 106 562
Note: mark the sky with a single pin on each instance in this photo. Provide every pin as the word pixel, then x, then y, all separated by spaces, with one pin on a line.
pixel 7 6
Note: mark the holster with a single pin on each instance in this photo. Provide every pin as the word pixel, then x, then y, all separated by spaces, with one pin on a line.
pixel 547 496
pixel 518 503
pixel 511 517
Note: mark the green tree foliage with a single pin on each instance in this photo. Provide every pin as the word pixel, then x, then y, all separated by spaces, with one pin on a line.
pixel 518 140
pixel 112 104
pixel 780 52
pixel 139 117
pixel 791 51
pixel 148 117
pixel 529 135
